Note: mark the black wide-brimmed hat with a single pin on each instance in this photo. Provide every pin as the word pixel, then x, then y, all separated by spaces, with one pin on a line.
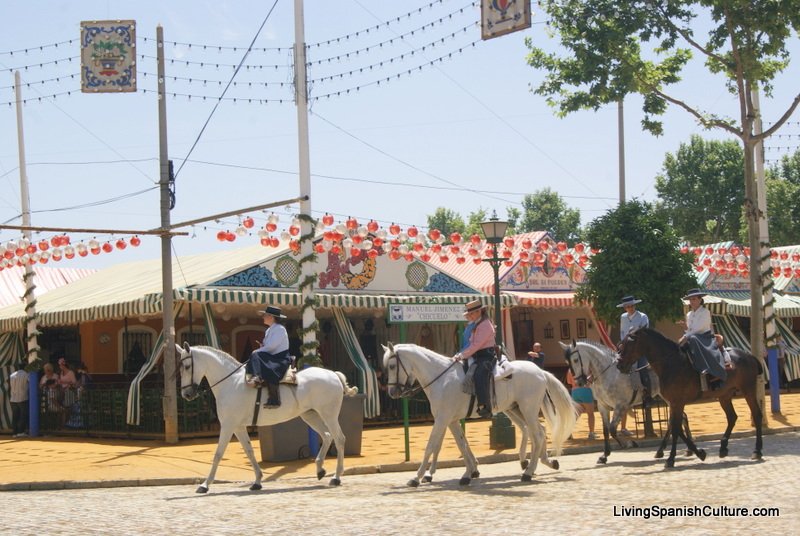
pixel 628 300
pixel 274 311
pixel 695 292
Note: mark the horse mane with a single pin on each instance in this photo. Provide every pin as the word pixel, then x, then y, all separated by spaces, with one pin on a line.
pixel 600 347
pixel 660 338
pixel 216 352
pixel 425 351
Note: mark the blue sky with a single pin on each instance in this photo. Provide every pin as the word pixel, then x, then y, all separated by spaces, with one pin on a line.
pixel 464 133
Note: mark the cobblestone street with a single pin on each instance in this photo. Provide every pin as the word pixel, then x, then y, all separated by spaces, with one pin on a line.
pixel 581 497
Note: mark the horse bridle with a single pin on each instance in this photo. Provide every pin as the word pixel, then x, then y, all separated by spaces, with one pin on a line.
pixel 407 389
pixel 583 377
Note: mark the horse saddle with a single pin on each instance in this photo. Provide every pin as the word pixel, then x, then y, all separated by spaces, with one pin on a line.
pixel 290 378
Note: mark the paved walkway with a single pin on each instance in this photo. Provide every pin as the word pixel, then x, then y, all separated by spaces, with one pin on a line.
pixel 57 462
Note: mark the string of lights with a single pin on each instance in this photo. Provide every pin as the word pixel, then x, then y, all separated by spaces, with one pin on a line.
pixel 40 65
pixel 37 48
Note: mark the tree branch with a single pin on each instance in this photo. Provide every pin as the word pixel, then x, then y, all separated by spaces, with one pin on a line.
pixel 706 122
pixel 779 123
pixel 683 33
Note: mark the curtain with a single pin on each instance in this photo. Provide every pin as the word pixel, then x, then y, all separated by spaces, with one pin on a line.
pixel 368 381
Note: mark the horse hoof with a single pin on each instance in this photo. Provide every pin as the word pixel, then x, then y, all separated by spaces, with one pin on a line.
pixel 723 453
pixel 670 463
pixel 201 489
pixel 688 453
pixel 320 474
pixel 464 481
pixel 756 456
pixel 335 482
pixel 427 479
pixel 526 477
pixel 413 483
pixel 524 464
pixel 475 474
pixel 634 444
pixel 255 487
pixel 554 465
pixel 602 460
pixel 659 454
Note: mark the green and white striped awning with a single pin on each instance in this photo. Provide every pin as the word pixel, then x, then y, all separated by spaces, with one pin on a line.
pixel 11 353
pixel 739 304
pixel 791 357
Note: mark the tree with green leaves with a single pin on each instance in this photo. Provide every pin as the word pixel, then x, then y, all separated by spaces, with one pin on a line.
pixel 612 48
pixel 783 191
pixel 639 254
pixel 545 210
pixel 447 221
pixel 700 189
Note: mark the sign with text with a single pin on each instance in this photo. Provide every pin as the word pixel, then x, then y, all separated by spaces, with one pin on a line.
pixel 108 56
pixel 499 17
pixel 426 312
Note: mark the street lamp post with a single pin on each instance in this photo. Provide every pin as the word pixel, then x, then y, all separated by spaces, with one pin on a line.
pixel 501 433
pixel 495 230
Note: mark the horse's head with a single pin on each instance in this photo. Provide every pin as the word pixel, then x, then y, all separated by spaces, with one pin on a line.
pixel 629 351
pixel 577 364
pixel 399 380
pixel 185 359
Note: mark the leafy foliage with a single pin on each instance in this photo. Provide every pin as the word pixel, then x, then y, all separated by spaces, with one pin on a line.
pixel 545 210
pixel 701 192
pixel 783 210
pixel 640 255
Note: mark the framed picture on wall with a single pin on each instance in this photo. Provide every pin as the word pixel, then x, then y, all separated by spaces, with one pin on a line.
pixel 580 328
pixel 565 329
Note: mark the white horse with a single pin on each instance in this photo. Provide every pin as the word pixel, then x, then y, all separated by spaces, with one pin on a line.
pixel 520 395
pixel 612 390
pixel 317 399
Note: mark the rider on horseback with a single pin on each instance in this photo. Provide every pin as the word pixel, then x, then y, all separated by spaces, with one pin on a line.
pixel 699 339
pixel 481 348
pixel 271 360
pixel 631 320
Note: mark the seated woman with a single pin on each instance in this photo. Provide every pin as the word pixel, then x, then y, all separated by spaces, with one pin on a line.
pixel 699 338
pixel 271 360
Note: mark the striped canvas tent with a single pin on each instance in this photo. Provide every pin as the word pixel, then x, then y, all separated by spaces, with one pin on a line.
pixel 726 326
pixel 791 362
pixel 368 379
pixel 11 353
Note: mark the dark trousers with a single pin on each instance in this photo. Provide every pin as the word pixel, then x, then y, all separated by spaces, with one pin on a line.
pixel 484 359
pixel 270 367
pixel 19 417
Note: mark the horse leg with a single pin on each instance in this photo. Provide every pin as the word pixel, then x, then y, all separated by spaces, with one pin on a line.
pixel 315 421
pixel 244 440
pixel 516 418
pixel 434 445
pixel 758 419
pixel 675 430
pixel 470 462
pixel 687 438
pixel 224 437
pixel 730 413
pixel 608 426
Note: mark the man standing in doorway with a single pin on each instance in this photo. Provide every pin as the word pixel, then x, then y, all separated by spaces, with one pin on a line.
pixel 19 401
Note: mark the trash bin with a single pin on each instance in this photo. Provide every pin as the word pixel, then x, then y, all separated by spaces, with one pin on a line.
pixel 289 440
pixel 502 434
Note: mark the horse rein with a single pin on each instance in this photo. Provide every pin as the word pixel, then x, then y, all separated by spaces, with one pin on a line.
pixel 407 391
pixel 586 377
pixel 197 387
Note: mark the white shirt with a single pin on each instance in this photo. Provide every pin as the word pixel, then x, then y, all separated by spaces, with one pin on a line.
pixel 698 321
pixel 19 386
pixel 276 339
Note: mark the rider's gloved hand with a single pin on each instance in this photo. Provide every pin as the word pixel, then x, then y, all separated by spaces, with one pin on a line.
pixel 458 357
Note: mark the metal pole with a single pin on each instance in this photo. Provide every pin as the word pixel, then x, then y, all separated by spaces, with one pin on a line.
pixel 498 318
pixel 30 287
pixel 771 339
pixel 621 144
pixel 306 227
pixel 170 401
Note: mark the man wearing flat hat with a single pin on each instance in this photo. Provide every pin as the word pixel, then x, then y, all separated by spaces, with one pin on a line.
pixel 271 360
pixel 629 321
pixel 481 348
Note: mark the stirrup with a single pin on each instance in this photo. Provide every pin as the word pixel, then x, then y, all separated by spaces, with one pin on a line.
pixel 254 381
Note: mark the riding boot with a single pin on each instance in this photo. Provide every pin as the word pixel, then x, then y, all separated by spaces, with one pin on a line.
pixel 647 400
pixel 273 396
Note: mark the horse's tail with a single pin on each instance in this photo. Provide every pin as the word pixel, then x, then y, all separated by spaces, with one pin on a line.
pixel 559 412
pixel 348 391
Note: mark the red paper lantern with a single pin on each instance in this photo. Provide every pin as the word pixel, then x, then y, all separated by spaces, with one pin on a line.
pixel 509 242
pixel 684 249
pixel 43 245
pixel 294 245
pixel 372 226
pixel 544 245
pixel 230 237
pixel 294 230
pixel 436 248
pixel 394 254
pixel 135 241
pixel 444 258
pixel 107 247
pixel 121 244
pixel 372 253
pixel 579 247
pixel 747 251
pixel 455 250
pixel 412 232
pixel 31 249
pixel 221 236
pixel 327 220
pixel 265 241
pixel 435 234
pixel 409 256
pixel 709 250
pixel 248 222
pixel 475 239
pixel 269 226
pixel 735 251
pixel 355 252
pixel 394 229
pixel 377 242
pixel 476 260
pixel 460 260
pixel 418 246
pixel 455 237
pixel 508 262
pixel 697 251
pixel 784 255
pixel 562 246
pixel 352 224
pixel 319 248
pixel 335 249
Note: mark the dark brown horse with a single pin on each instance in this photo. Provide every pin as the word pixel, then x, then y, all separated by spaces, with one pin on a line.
pixel 680 384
